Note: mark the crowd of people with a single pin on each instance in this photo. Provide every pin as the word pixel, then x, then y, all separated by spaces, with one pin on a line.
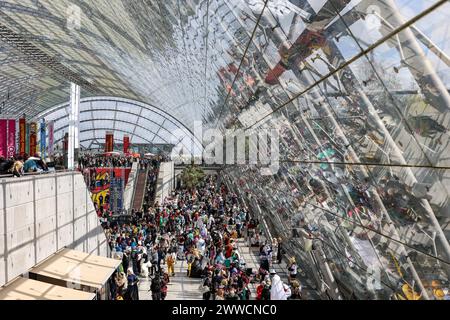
pixel 104 161
pixel 201 227
pixel 21 164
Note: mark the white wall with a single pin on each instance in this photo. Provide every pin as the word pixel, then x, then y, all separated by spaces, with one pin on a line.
pixel 40 215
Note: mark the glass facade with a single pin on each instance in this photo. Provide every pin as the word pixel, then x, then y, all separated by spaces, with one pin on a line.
pixel 358 89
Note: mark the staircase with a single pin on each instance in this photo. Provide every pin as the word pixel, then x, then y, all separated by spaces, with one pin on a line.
pixel 139 191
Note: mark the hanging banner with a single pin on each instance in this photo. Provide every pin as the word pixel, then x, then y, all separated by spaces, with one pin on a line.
pixel 116 195
pixel 22 136
pixel 11 138
pixel 43 139
pixel 33 138
pixel 126 144
pixel 109 142
pixel 51 138
pixel 27 139
pixel 3 138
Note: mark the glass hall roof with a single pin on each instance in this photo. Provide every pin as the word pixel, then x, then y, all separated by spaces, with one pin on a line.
pixel 364 83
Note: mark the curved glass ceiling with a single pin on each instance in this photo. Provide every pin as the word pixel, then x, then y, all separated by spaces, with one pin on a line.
pixel 144 124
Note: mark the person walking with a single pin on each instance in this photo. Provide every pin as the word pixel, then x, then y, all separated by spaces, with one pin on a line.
pixel 155 288
pixel 170 261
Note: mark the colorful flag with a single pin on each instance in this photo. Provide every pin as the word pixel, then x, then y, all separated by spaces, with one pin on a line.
pixel 3 138
pixel 22 136
pixel 33 138
pixel 51 137
pixel 43 139
pixel 11 138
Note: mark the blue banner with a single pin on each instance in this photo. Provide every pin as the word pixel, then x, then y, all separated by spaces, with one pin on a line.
pixel 116 195
pixel 43 138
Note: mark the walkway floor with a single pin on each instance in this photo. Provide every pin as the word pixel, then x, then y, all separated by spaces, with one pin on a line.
pixel 180 287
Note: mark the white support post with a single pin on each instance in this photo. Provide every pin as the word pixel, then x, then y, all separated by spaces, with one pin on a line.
pixel 73 143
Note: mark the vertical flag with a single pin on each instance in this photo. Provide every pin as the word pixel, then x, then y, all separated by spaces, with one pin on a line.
pixel 33 138
pixel 43 139
pixel 11 138
pixel 109 139
pixel 126 144
pixel 22 136
pixel 3 138
pixel 51 137
pixel 27 139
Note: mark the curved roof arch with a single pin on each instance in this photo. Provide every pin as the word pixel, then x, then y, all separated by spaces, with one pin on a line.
pixel 144 123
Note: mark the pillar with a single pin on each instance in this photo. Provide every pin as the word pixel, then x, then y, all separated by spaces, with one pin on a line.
pixel 74 142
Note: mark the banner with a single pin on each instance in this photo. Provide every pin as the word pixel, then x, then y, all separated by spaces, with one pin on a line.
pixel 43 139
pixel 116 195
pixel 3 138
pixel 126 144
pixel 100 186
pixel 51 138
pixel 109 142
pixel 11 138
pixel 22 136
pixel 33 138
pixel 27 138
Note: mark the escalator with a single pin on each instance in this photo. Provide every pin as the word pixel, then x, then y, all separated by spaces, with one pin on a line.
pixel 139 191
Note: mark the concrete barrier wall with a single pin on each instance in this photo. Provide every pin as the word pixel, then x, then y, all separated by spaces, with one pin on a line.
pixel 40 215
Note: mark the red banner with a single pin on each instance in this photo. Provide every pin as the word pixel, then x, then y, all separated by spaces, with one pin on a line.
pixel 126 144
pixel 7 138
pixel 11 139
pixel 22 136
pixel 3 138
pixel 109 139
pixel 33 139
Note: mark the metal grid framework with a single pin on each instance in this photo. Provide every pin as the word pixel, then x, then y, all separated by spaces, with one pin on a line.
pixel 362 83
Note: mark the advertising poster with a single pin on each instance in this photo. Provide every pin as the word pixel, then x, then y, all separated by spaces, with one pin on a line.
pixel 100 186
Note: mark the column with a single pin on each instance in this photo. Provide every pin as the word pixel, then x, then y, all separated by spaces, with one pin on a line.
pixel 74 116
